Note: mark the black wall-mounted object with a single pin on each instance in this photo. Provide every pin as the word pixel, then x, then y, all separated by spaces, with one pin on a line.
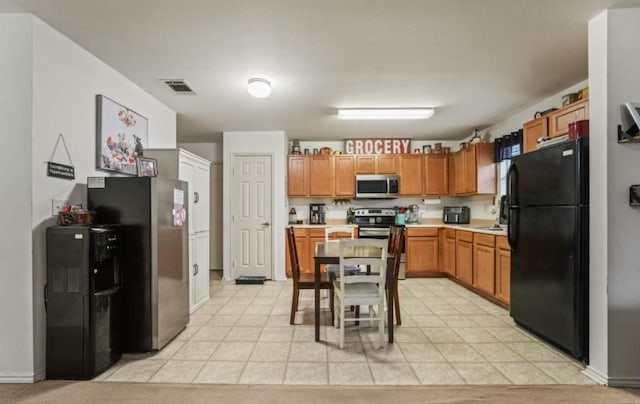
pixel 634 195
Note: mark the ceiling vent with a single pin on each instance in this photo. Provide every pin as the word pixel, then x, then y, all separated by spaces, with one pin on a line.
pixel 179 86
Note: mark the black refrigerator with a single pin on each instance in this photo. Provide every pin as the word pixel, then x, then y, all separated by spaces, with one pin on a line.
pixel 153 218
pixel 548 230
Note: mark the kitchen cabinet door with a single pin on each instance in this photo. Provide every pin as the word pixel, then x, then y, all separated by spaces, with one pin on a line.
pixel 201 198
pixel 436 174
pixel 449 252
pixel 484 262
pixel 201 275
pixel 464 257
pixel 365 164
pixel 458 164
pixel 469 177
pixel 344 176
pixel 559 120
pixel 421 250
pixel 297 176
pixel 532 131
pixel 302 246
pixel 411 175
pixel 315 236
pixel 503 270
pixel 387 164
pixel 320 176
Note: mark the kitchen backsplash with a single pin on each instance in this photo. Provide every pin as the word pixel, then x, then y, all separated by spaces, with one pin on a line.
pixel 482 206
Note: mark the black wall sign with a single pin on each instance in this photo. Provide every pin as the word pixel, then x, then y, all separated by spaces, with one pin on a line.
pixel 61 171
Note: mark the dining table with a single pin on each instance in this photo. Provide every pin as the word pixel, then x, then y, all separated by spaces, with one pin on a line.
pixel 328 252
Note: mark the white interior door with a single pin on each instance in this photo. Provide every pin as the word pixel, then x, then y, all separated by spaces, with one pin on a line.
pixel 252 228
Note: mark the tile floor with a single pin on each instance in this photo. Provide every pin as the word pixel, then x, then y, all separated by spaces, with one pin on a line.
pixel 448 335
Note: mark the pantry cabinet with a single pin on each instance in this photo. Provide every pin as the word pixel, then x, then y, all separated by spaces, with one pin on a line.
pixel 464 256
pixel 436 174
pixel 195 171
pixel 411 174
pixel 421 247
pixel 484 262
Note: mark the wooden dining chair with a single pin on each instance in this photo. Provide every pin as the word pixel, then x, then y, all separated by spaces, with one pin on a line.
pixel 396 238
pixel 301 280
pixel 363 289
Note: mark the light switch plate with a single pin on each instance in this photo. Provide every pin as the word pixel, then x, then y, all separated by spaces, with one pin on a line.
pixel 57 205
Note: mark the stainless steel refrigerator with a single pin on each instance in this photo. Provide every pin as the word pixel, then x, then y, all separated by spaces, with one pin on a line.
pixel 152 212
pixel 548 230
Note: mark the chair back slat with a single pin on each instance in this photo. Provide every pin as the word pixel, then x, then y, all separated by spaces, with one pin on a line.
pixel 330 233
pixel 293 254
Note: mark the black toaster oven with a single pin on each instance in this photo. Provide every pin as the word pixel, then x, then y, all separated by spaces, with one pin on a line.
pixel 456 214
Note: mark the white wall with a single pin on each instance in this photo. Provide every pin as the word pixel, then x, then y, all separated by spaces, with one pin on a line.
pixel 64 82
pixel 209 151
pixel 598 200
pixel 16 279
pixel 268 142
pixel 615 264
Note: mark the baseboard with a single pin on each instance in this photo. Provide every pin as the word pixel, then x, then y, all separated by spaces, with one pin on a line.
pixel 25 378
pixel 624 382
pixel 197 305
pixel 595 375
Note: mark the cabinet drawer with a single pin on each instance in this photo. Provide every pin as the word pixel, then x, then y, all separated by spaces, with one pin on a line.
pixel 450 233
pixel 316 232
pixel 422 231
pixel 462 235
pixel 485 239
pixel 503 243
pixel 300 232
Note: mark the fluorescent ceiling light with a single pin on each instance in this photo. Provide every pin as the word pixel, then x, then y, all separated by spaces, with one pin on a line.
pixel 259 88
pixel 385 113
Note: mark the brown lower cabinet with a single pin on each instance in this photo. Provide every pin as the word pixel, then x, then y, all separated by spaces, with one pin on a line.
pixel 484 262
pixel 421 248
pixel 503 270
pixel 464 256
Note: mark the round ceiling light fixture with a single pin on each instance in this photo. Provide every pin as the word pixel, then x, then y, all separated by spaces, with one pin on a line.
pixel 259 88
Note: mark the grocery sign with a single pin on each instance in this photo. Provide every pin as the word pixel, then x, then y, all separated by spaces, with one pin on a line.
pixel 377 146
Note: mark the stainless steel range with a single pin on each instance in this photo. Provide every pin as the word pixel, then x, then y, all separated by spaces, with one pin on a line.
pixel 376 223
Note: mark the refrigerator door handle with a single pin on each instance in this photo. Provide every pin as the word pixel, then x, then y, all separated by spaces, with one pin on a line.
pixel 512 185
pixel 46 296
pixel 512 227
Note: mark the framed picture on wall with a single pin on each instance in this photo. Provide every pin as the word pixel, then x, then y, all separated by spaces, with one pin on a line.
pixel 147 167
pixel 121 136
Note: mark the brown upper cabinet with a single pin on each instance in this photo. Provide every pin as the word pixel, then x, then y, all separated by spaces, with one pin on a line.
pixel 474 170
pixel 376 164
pixel 310 176
pixel 345 185
pixel 436 174
pixel 553 124
pixel 298 176
pixel 532 131
pixel 411 174
pixel 559 120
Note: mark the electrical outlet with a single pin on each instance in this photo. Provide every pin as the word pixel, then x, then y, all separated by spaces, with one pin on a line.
pixel 57 205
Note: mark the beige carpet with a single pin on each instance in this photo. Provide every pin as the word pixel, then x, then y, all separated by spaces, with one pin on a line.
pixel 97 392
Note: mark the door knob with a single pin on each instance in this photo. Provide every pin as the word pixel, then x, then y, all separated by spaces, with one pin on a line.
pixel 265 224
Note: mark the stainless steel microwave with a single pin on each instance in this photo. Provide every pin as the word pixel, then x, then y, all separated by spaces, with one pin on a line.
pixel 383 186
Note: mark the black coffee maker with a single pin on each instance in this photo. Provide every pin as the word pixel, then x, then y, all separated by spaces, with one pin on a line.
pixel 317 213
